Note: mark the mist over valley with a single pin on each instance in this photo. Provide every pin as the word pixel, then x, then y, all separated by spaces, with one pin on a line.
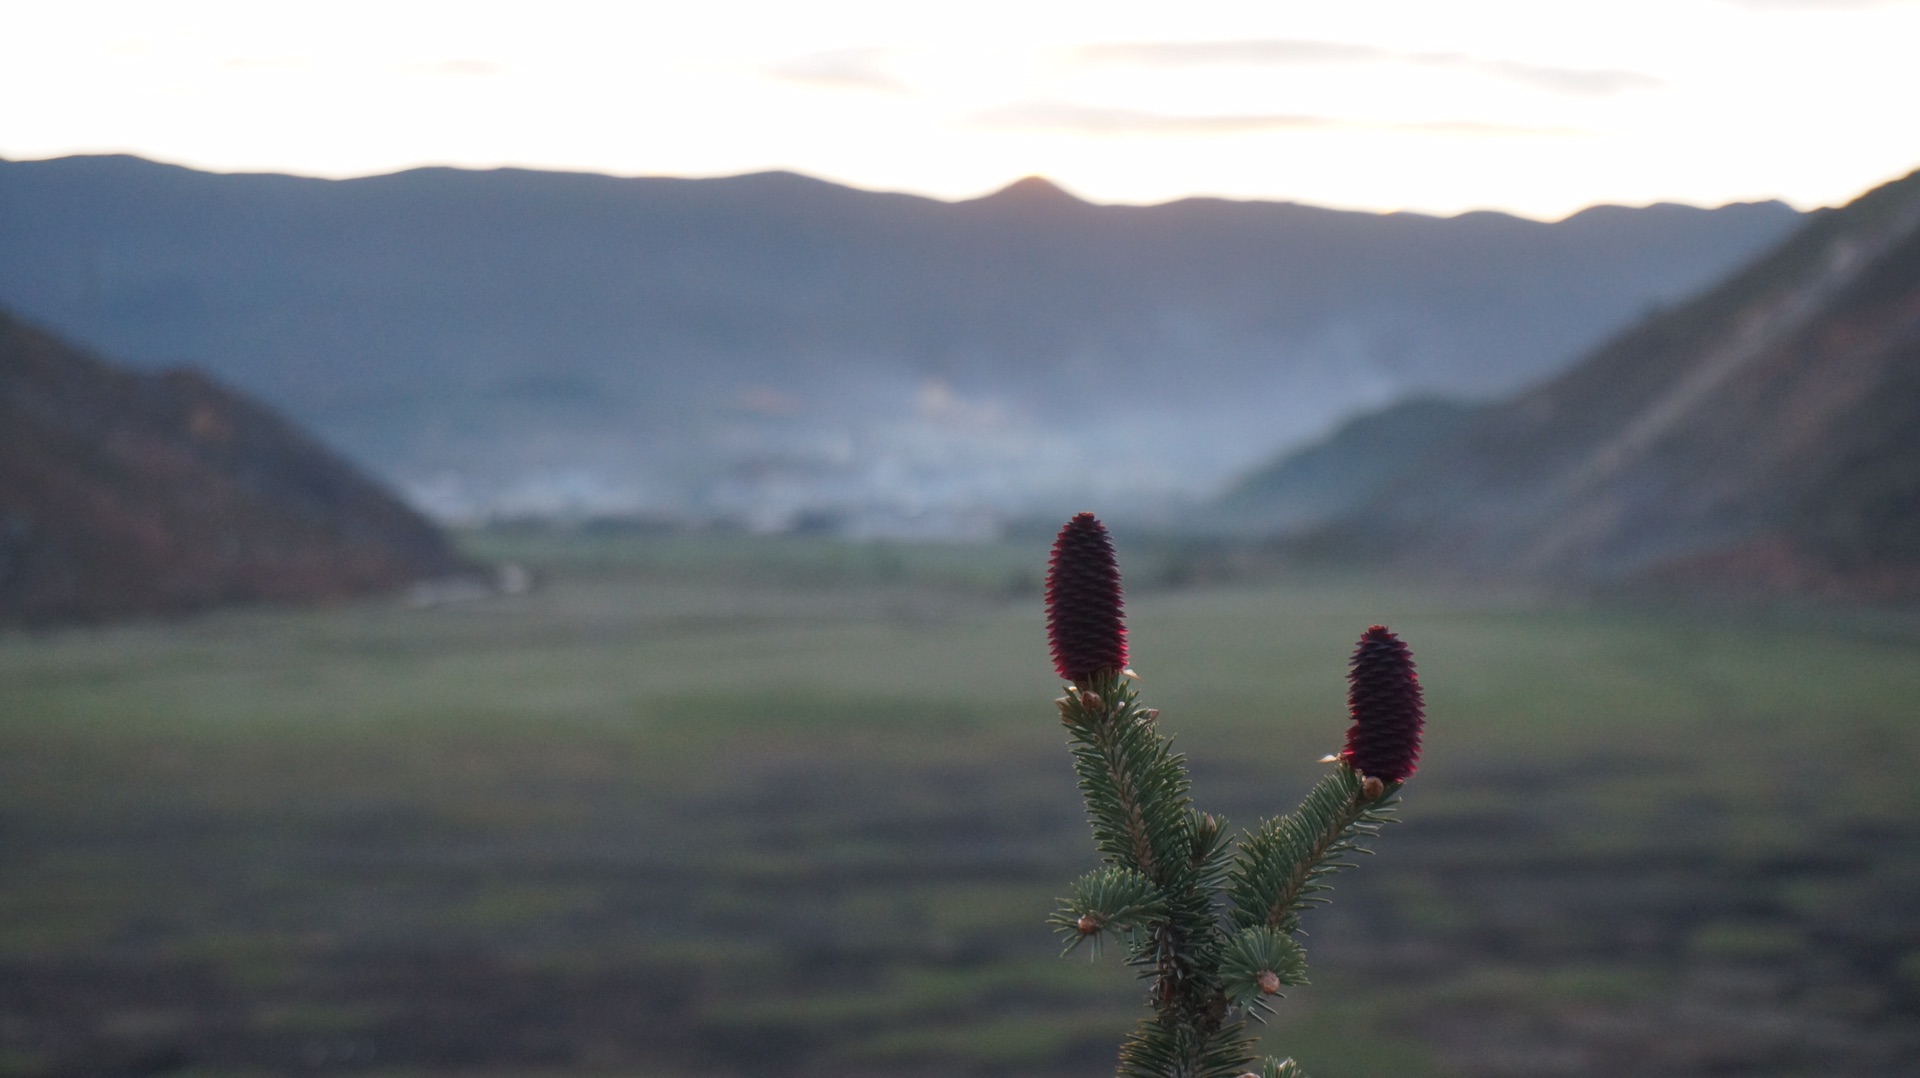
pixel 780 351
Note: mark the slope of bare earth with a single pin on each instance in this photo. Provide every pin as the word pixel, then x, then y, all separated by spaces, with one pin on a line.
pixel 124 492
pixel 1765 436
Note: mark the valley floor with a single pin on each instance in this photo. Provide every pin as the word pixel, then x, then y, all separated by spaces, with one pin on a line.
pixel 752 807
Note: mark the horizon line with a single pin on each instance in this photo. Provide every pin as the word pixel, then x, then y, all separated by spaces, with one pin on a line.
pixel 998 191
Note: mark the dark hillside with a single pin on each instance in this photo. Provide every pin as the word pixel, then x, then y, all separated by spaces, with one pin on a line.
pixel 1344 470
pixel 124 492
pixel 1765 435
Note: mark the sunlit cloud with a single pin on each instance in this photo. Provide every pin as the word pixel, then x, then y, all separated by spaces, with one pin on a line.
pixel 1094 120
pixel 1566 80
pixel 1815 5
pixel 854 69
pixel 248 64
pixel 1284 51
pixel 465 68
pixel 1192 53
pixel 1475 127
pixel 1404 105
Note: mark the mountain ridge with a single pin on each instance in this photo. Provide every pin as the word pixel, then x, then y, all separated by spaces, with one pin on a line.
pixel 482 337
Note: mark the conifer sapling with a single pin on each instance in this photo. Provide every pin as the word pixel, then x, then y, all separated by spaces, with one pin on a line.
pixel 1208 922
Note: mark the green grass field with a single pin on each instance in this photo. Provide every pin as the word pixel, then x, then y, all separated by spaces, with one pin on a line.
pixel 746 807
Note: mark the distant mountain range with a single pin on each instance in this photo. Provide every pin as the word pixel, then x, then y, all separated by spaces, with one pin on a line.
pixel 1763 436
pixel 770 345
pixel 126 492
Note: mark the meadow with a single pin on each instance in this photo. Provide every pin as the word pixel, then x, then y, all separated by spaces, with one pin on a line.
pixel 736 806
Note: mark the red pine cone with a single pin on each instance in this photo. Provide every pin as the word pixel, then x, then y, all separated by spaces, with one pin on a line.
pixel 1383 695
pixel 1084 625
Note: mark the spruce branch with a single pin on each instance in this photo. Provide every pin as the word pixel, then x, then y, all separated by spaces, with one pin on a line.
pixel 1280 870
pixel 1137 793
pixel 1165 1046
pixel 1135 785
pixel 1256 964
pixel 1209 925
pixel 1110 900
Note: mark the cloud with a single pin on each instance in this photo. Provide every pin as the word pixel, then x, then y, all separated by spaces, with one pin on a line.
pixel 464 68
pixel 1473 127
pixel 1094 120
pixel 1566 80
pixel 1195 53
pixel 264 63
pixel 1817 5
pixel 850 69
pixel 1287 51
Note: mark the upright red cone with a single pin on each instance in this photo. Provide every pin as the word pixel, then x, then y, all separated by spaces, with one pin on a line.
pixel 1383 695
pixel 1084 622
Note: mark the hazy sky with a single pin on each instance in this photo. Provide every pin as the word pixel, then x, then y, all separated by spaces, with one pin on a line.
pixel 1535 106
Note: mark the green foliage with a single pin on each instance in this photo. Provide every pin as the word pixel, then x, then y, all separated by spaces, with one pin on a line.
pixel 1256 964
pixel 1136 790
pixel 1166 866
pixel 1108 901
pixel 1280 869
pixel 1167 862
pixel 1135 786
pixel 1169 1044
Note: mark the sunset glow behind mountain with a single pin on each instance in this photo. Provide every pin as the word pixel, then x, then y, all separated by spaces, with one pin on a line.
pixel 1534 109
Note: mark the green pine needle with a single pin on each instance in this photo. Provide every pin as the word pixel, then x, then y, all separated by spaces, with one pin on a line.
pixel 1167 864
pixel 1109 901
pixel 1252 957
pixel 1280 869
pixel 1135 785
pixel 1281 1068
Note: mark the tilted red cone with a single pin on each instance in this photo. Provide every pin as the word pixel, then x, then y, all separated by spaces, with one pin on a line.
pixel 1084 610
pixel 1383 695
